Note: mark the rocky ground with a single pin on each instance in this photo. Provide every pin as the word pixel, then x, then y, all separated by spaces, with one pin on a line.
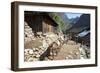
pixel 70 50
pixel 38 47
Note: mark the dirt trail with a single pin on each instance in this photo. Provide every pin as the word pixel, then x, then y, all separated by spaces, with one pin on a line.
pixel 69 51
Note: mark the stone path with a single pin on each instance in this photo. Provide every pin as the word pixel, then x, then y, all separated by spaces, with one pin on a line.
pixel 69 51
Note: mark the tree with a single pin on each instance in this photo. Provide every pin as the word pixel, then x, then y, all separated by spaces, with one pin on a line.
pixel 58 20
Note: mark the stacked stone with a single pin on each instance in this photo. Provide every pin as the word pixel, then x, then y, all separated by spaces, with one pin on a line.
pixel 85 52
pixel 33 54
pixel 28 33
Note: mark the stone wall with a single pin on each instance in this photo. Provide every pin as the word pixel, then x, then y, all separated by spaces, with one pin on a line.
pixel 28 33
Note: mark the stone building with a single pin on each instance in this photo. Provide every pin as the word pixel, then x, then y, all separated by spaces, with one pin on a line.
pixel 40 22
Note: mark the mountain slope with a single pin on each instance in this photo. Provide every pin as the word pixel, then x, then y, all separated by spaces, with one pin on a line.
pixel 82 24
pixel 73 20
pixel 65 20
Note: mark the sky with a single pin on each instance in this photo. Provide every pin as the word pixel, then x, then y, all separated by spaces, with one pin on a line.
pixel 73 15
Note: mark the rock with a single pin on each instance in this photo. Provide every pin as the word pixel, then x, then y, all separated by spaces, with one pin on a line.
pixel 31 51
pixel 85 52
pixel 66 58
pixel 41 52
pixel 39 33
pixel 45 44
pixel 50 58
pixel 35 59
pixel 34 49
pixel 47 59
pixel 32 59
pixel 37 49
pixel 28 33
pixel 70 57
pixel 37 56
pixel 26 51
pixel 35 52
